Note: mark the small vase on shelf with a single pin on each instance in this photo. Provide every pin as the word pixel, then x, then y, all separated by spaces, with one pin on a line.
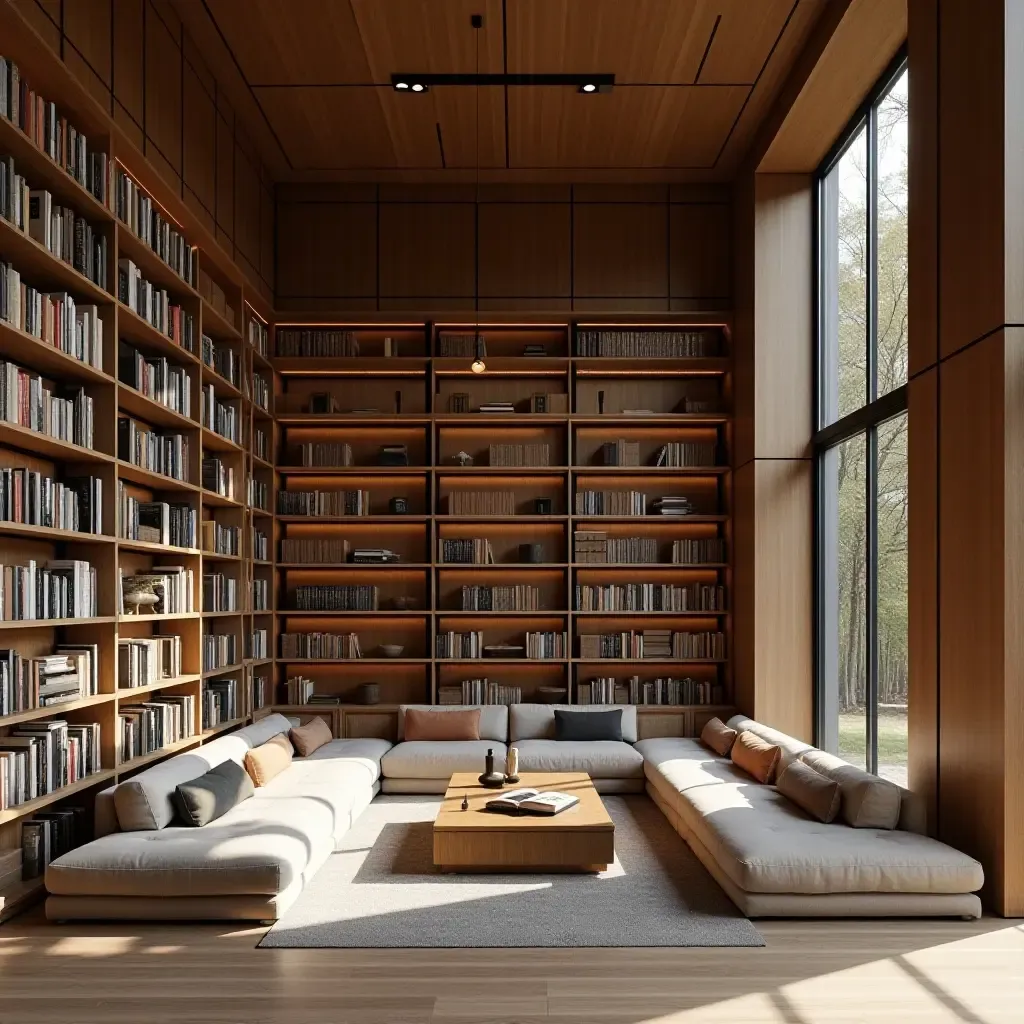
pixel 490 778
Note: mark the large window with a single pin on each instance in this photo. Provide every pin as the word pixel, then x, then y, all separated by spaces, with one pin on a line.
pixel 861 438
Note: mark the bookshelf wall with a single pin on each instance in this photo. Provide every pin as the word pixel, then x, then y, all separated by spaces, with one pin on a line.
pixel 402 386
pixel 190 363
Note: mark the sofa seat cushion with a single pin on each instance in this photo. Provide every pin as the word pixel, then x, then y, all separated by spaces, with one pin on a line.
pixel 600 759
pixel 261 846
pixel 765 844
pixel 366 753
pixel 439 759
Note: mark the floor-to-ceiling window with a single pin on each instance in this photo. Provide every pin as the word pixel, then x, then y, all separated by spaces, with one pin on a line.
pixel 861 437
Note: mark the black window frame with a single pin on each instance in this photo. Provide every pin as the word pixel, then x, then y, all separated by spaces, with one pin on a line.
pixel 865 420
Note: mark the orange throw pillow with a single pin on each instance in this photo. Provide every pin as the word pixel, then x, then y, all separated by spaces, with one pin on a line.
pixel 311 736
pixel 717 736
pixel 442 725
pixel 755 756
pixel 263 763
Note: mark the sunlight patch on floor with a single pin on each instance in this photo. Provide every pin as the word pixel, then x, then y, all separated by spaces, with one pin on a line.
pixel 93 946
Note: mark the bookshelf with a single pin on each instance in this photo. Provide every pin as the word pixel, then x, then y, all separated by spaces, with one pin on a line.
pixel 335 412
pixel 182 365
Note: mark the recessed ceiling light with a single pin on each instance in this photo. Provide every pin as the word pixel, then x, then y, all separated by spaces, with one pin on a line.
pixel 588 87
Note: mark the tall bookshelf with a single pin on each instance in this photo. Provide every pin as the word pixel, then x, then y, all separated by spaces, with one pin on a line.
pixel 221 307
pixel 411 397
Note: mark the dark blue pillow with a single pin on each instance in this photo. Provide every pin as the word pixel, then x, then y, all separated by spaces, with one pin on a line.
pixel 588 725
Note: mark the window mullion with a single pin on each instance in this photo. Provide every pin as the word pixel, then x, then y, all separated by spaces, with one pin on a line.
pixel 871 332
pixel 871 598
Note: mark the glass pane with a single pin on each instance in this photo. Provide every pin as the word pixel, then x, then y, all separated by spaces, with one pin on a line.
pixel 891 196
pixel 844 209
pixel 844 616
pixel 892 600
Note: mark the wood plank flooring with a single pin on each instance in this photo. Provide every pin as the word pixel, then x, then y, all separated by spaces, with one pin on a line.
pixel 824 972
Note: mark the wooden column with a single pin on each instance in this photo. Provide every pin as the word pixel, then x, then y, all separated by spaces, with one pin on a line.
pixel 967 430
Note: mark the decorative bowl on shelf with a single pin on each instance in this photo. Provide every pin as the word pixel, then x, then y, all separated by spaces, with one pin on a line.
pixel 552 694
pixel 391 650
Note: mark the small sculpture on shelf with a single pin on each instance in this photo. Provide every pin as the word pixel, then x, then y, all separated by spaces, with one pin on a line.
pixel 463 459
pixel 140 595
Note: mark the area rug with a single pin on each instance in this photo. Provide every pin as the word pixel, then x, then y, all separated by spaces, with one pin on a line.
pixel 380 890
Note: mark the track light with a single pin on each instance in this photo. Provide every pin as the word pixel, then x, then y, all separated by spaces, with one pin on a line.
pixel 401 85
pixel 588 87
pixel 418 87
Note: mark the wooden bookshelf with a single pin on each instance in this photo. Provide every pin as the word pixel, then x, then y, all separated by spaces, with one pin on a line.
pixel 222 304
pixel 372 399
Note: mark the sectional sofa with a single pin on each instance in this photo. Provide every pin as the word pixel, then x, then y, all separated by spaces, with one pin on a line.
pixel 251 864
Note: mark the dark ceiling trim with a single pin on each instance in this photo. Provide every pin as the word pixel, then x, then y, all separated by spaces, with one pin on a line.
pixel 707 49
pixel 388 85
pixel 603 80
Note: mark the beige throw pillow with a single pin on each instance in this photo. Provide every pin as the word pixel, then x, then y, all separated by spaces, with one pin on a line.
pixel 819 796
pixel 311 736
pixel 755 756
pixel 717 736
pixel 867 800
pixel 265 762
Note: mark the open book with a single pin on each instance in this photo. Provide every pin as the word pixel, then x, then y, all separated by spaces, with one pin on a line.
pixel 531 801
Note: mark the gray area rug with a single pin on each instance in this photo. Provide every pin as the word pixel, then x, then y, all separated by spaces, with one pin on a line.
pixel 380 890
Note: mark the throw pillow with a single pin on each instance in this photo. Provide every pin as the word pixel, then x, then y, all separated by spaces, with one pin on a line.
pixel 206 798
pixel 867 800
pixel 421 724
pixel 755 756
pixel 717 736
pixel 588 725
pixel 311 736
pixel 263 763
pixel 819 796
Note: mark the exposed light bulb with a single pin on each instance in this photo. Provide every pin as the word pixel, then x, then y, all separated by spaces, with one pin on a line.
pixel 478 366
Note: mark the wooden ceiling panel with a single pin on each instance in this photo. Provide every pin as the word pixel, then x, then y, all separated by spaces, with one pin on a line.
pixel 369 127
pixel 645 126
pixel 744 39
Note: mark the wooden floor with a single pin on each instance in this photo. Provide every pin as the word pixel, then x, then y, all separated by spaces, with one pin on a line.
pixel 809 973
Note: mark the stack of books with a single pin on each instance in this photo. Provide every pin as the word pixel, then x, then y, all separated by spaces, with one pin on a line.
pixel 497 407
pixel 300 690
pixel 479 691
pixel 672 506
pixel 221 359
pixel 220 702
pixel 373 556
pixel 220 593
pixel 61 589
pixel 28 400
pixel 698 550
pixel 393 455
pixel 156 522
pixel 218 476
pixel 223 540
pixel 69 674
pixel 156 378
pixel 155 724
pixel 649 597
pixel 649 344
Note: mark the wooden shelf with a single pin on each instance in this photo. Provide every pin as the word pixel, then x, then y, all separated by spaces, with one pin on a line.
pixel 131 693
pixel 218 442
pixel 152 411
pixel 222 387
pixel 213 672
pixel 142 334
pixel 152 479
pixel 217 326
pixel 55 710
pixel 152 267
pixel 14 436
pixel 49 533
pixel 31 806
pixel 35 354
pixel 161 549
pixel 133 764
pixel 51 623
pixel 223 727
pixel 351 366
pixel 220 500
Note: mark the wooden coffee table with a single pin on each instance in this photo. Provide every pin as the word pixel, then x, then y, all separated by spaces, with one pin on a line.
pixel 581 839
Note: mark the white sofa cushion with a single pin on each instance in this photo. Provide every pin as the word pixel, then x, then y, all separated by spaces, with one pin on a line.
pixel 143 803
pixel 765 844
pixel 365 751
pixel 493 718
pixel 537 721
pixel 600 759
pixel 438 759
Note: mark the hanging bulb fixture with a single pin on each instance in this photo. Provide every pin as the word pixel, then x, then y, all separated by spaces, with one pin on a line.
pixel 478 365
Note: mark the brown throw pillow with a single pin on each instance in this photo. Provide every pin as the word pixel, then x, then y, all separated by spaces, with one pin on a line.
pixel 755 756
pixel 867 800
pixel 442 725
pixel 717 736
pixel 311 736
pixel 819 796
pixel 266 761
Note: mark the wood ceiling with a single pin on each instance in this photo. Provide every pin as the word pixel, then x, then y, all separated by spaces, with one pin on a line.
pixel 693 79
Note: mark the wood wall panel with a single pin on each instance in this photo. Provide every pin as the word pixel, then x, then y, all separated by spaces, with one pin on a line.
pixel 225 212
pixel 268 239
pixel 44 17
pixel 129 78
pixel 247 207
pixel 200 143
pixel 427 249
pixel 327 250
pixel 701 250
pixel 620 249
pixel 525 249
pixel 87 28
pixel 163 91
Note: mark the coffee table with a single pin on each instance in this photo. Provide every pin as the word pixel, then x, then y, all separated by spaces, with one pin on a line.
pixel 581 839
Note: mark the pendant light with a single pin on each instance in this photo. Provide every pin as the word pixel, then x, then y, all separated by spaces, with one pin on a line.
pixel 478 365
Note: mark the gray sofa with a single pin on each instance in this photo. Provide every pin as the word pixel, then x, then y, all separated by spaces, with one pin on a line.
pixel 251 864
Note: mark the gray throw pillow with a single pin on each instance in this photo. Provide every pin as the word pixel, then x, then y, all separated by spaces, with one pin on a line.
pixel 206 798
pixel 588 725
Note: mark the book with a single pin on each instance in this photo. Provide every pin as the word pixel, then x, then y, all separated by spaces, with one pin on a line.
pixel 532 801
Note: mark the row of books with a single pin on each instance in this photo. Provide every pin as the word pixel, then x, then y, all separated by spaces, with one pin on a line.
pixel 221 358
pixel 610 503
pixel 260 443
pixel 652 643
pixel 60 589
pixel 172 584
pixel 519 454
pixel 337 597
pixel 261 391
pixel 299 690
pixel 220 417
pixel 258 646
pixel 459 645
pixel 321 646
pixel 220 650
pixel 698 550
pixel 325 453
pixel 220 593
pixel 167 454
pixel 155 724
pixel 142 661
pixel 53 317
pixel 156 522
pixel 259 337
pixel 519 597
pixel 155 377
pixel 145 219
pixel 649 597
pixel 49 835
pixel 260 593
pixel 647 344
pixel 218 476
pixel 687 453
pixel 259 494
pixel 314 549
pixel 48 129
pixel 465 551
pixel 68 236
pixel 323 503
pixel 479 691
pixel 546 644
pixel 40 758
pixel 219 539
pixel 33 499
pixel 154 305
pixel 262 692
pixel 28 400
pixel 14 194
pixel 482 503
pixel 70 673
pixel 316 342
pixel 597 546
pixel 670 692
pixel 220 702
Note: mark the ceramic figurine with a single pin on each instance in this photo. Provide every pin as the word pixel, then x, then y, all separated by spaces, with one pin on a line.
pixel 512 765
pixel 464 459
pixel 490 778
